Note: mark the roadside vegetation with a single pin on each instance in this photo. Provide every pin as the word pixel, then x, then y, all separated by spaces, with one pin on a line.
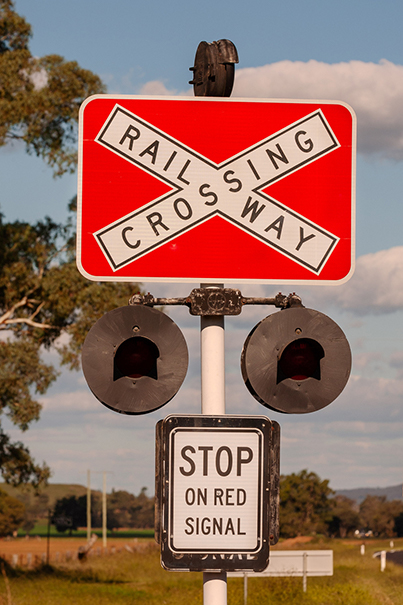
pixel 308 507
pixel 137 578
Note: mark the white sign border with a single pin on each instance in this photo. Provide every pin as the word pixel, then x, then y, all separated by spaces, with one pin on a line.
pixel 217 550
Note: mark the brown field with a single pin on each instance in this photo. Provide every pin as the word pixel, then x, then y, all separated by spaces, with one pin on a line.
pixel 290 543
pixel 38 546
pixel 58 547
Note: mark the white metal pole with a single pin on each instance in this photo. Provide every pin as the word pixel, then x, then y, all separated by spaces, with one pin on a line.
pixel 88 505
pixel 212 363
pixel 212 341
pixel 214 588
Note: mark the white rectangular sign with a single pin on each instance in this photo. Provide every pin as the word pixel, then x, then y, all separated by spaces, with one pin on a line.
pixel 216 490
pixel 296 563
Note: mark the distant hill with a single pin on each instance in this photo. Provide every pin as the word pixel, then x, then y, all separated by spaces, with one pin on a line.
pixel 53 492
pixel 394 492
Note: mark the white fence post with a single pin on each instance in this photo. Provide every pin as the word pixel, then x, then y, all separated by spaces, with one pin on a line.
pixel 383 560
pixel 304 570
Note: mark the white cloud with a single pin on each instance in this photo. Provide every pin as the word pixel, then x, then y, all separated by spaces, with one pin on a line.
pixel 396 361
pixel 374 90
pixel 156 87
pixel 362 360
pixel 76 401
pixel 375 288
pixel 371 400
pixel 354 440
pixel 357 453
pixel 39 79
pixel 6 335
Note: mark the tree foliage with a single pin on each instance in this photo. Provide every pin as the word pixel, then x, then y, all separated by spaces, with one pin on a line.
pixel 399 525
pixel 42 298
pixel 308 506
pixel 123 510
pixel 39 97
pixel 381 515
pixel 345 517
pixel 36 507
pixel 127 510
pixel 11 514
pixel 70 513
pixel 44 301
pixel 304 504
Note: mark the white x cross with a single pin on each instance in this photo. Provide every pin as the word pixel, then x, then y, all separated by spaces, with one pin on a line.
pixel 202 189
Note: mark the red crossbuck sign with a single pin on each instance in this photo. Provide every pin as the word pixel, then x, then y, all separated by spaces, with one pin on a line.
pixel 155 204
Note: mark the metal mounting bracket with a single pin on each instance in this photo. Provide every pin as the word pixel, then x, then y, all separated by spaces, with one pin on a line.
pixel 217 301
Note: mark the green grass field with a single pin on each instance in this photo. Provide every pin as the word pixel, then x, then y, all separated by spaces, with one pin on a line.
pixel 41 529
pixel 129 579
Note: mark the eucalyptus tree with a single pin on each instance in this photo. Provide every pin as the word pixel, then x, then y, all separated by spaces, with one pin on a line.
pixel 44 301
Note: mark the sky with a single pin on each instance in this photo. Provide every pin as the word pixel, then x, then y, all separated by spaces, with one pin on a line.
pixel 335 50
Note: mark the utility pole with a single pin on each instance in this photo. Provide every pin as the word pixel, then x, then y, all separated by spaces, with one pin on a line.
pixel 104 523
pixel 104 507
pixel 88 505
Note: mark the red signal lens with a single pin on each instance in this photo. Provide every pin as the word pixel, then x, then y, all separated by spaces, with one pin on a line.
pixel 137 357
pixel 300 360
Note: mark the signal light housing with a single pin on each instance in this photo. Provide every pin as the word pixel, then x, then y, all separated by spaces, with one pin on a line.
pixel 134 359
pixel 296 361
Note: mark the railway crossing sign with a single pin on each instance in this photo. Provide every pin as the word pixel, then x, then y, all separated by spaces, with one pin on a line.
pixel 221 190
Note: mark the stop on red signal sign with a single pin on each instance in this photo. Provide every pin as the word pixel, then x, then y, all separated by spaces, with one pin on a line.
pixel 217 491
pixel 223 190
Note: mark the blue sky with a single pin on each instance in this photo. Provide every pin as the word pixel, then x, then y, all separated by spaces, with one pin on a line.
pixel 348 51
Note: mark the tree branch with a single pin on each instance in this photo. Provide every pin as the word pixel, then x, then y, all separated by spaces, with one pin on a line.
pixel 4 318
pixel 8 318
